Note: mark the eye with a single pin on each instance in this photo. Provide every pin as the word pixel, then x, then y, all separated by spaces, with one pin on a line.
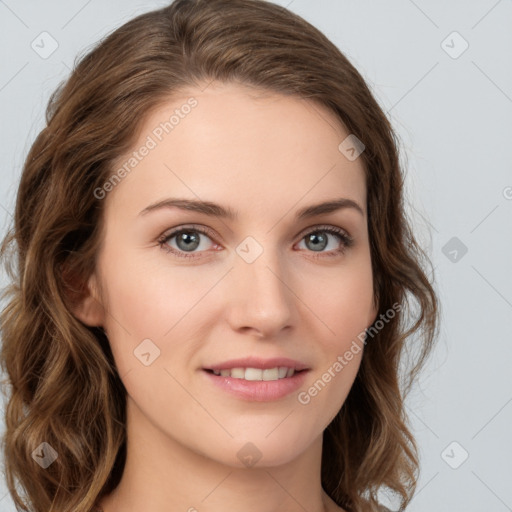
pixel 318 239
pixel 188 239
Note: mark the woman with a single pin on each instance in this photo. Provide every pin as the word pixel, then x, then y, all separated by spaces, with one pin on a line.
pixel 214 271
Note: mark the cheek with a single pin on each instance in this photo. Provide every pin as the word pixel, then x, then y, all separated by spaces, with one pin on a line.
pixel 149 299
pixel 342 303
pixel 160 303
pixel 344 311
pixel 342 300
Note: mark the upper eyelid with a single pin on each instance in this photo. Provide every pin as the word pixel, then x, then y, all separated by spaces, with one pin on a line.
pixel 210 233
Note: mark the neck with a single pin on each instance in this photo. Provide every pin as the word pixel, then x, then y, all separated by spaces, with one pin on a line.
pixel 161 474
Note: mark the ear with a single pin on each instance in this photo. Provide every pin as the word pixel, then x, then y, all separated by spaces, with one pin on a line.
pixel 90 309
pixel 85 302
pixel 374 310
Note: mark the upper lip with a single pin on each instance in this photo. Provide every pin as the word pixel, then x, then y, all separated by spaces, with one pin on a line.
pixel 256 362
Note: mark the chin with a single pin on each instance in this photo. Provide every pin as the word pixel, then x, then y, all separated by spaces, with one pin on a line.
pixel 264 449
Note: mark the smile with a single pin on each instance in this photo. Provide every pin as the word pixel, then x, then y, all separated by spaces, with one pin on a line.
pixel 279 372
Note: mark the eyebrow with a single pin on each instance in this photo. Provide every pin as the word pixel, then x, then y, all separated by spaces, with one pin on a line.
pixel 216 210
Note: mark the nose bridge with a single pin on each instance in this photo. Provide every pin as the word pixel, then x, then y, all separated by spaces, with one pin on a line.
pixel 262 259
pixel 261 297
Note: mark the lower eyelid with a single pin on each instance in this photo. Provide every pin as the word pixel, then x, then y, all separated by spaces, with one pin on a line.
pixel 342 236
pixel 165 239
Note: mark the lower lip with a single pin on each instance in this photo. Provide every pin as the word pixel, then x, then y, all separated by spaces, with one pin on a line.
pixel 258 390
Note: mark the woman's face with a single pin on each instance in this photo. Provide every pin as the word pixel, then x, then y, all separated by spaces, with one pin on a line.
pixel 265 283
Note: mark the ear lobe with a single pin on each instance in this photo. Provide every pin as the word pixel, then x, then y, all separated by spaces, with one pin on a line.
pixel 374 311
pixel 85 303
pixel 90 310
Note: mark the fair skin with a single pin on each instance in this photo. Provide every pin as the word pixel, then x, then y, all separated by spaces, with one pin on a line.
pixel 266 158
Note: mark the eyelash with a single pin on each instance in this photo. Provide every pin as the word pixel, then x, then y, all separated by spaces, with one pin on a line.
pixel 347 240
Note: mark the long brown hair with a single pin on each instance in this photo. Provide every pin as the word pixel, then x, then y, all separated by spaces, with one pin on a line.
pixel 62 387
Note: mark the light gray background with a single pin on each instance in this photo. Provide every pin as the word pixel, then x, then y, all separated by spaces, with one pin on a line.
pixel 454 116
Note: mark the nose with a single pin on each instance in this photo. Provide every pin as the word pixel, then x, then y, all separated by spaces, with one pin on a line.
pixel 259 298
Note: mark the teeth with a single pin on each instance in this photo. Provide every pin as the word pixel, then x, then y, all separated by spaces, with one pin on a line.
pixel 270 374
pixel 276 373
pixel 252 374
pixel 237 373
pixel 283 371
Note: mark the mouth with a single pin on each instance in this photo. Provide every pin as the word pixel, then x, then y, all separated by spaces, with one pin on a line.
pixel 257 380
pixel 257 374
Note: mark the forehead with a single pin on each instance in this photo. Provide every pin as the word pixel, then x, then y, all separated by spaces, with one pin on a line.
pixel 233 144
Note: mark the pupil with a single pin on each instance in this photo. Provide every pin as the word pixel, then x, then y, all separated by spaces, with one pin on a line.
pixel 189 240
pixel 313 236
